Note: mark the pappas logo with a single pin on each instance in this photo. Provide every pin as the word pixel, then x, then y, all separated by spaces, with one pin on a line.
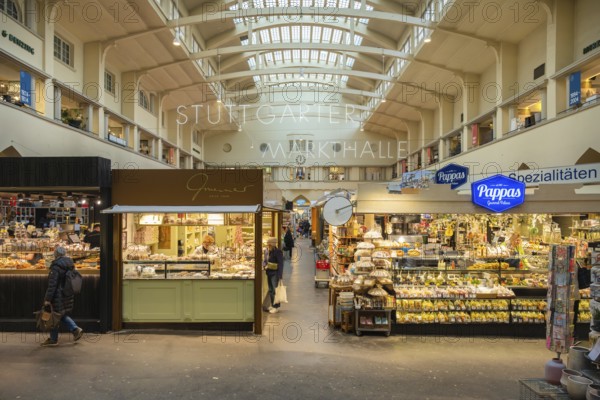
pixel 498 193
pixel 444 177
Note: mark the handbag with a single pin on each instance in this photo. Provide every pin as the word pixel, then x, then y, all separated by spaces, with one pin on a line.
pixel 280 294
pixel 47 319
pixel 272 266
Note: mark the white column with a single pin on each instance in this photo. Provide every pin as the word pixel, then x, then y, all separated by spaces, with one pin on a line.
pixel 104 132
pixel 90 118
pixel 136 138
pixel 57 101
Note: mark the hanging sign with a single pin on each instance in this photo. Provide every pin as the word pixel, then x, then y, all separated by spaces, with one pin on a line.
pixel 453 174
pixel 498 193
pixel 25 95
pixel 574 88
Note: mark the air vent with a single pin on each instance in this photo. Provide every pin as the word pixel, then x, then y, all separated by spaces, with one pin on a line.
pixel 337 147
pixel 263 147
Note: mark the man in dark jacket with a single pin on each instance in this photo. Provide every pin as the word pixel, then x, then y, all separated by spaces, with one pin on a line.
pixel 274 257
pixel 54 296
pixel 288 240
pixel 93 238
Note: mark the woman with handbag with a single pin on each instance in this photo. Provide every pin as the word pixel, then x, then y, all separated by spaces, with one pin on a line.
pixel 274 268
pixel 55 297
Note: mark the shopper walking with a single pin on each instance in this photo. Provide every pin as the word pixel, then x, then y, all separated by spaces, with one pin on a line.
pixel 55 297
pixel 274 268
pixel 288 240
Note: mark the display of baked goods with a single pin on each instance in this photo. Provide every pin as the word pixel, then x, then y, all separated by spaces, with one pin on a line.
pixel 365 245
pixel 381 254
pixel 372 234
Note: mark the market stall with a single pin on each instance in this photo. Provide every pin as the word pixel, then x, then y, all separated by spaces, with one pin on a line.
pixel 42 201
pixel 189 248
pixel 457 269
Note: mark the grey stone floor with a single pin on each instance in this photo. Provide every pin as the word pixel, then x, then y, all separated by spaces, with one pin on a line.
pixel 298 357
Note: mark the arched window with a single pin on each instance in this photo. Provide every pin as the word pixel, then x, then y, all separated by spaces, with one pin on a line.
pixel 10 8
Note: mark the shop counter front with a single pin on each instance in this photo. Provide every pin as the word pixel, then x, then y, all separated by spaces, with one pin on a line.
pixel 188 300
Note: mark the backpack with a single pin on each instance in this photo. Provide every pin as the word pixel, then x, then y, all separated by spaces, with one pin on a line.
pixel 73 283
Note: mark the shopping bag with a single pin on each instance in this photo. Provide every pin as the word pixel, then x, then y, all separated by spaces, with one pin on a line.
pixel 47 319
pixel 280 294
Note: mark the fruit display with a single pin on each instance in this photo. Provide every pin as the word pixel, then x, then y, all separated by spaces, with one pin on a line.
pixel 528 317
pixel 459 317
pixel 420 305
pixel 531 280
pixel 530 305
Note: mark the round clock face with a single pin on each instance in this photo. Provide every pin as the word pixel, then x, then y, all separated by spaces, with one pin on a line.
pixel 337 211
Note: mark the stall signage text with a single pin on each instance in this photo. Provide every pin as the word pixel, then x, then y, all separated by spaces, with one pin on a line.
pixel 574 88
pixel 25 95
pixel 18 42
pixel 453 174
pixel 498 193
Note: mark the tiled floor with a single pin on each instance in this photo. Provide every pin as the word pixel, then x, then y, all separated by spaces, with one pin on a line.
pixel 298 357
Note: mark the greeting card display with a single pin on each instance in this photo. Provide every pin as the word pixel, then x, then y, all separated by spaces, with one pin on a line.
pixel 561 290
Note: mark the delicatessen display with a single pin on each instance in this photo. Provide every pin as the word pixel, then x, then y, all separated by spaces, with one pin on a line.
pixel 189 246
pixel 451 269
pixel 31 255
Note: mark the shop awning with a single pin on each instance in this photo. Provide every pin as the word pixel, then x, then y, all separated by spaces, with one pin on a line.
pixel 118 209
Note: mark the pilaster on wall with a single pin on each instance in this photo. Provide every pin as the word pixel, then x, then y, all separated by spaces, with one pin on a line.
pixel 507 79
pixel 470 105
pixel 414 132
pixel 445 115
pixel 129 94
pixel 427 134
pixel 560 39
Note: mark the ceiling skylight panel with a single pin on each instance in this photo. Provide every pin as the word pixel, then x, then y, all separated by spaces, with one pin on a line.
pixel 294 3
pixel 287 55
pixel 275 35
pixel 252 63
pixel 337 36
pixel 296 55
pixel 270 3
pixel 344 79
pixel 272 77
pixel 268 57
pixel 357 40
pixel 327 77
pixel 278 56
pixel 332 58
pixel 319 3
pixel 314 55
pixel 331 4
pixel 323 56
pixel 295 33
pixel 326 35
pixel 256 79
pixel 264 36
pixel 344 4
pixel 244 42
pixel 259 4
pixel 316 34
pixel 306 3
pixel 282 3
pixel 350 62
pixel 285 34
pixel 306 34
pixel 305 55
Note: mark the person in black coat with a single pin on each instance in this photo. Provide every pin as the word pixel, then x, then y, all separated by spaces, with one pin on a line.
pixel 288 240
pixel 54 296
pixel 274 256
pixel 93 237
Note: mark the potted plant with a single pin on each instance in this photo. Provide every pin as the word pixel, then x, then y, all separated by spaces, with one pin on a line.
pixel 72 117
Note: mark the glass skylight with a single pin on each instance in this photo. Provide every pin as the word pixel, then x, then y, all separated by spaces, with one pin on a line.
pixel 356 5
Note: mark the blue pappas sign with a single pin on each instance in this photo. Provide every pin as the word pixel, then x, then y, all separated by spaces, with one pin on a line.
pixel 498 193
pixel 574 88
pixel 25 95
pixel 453 174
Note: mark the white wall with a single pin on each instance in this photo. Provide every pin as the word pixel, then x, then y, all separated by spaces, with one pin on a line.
pixel 13 28
pixel 489 91
pixel 73 75
pixel 531 54
pixel 34 136
pixel 586 27
pixel 558 143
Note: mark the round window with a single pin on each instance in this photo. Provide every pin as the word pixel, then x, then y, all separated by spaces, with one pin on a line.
pixel 226 147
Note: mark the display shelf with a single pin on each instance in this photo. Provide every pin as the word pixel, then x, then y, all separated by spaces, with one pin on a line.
pixel 371 320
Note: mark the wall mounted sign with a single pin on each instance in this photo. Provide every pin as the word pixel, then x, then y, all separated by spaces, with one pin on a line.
pixel 25 95
pixel 18 42
pixel 584 173
pixel 591 47
pixel 453 174
pixel 574 88
pixel 498 193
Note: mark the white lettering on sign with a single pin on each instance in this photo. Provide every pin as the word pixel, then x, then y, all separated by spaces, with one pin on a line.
pixel 497 194
pixel 449 177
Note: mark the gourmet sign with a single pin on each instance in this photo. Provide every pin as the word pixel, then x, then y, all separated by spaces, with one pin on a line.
pixel 453 174
pixel 498 193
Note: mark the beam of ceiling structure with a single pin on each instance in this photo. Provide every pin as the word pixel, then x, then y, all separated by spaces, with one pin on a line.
pixel 325 13
pixel 360 29
pixel 295 70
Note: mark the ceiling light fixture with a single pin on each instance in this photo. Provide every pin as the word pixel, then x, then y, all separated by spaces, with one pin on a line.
pixel 427 39
pixel 362 126
pixel 98 202
pixel 176 41
pixel 239 128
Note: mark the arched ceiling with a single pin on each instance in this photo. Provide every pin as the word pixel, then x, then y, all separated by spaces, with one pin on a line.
pixel 370 53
